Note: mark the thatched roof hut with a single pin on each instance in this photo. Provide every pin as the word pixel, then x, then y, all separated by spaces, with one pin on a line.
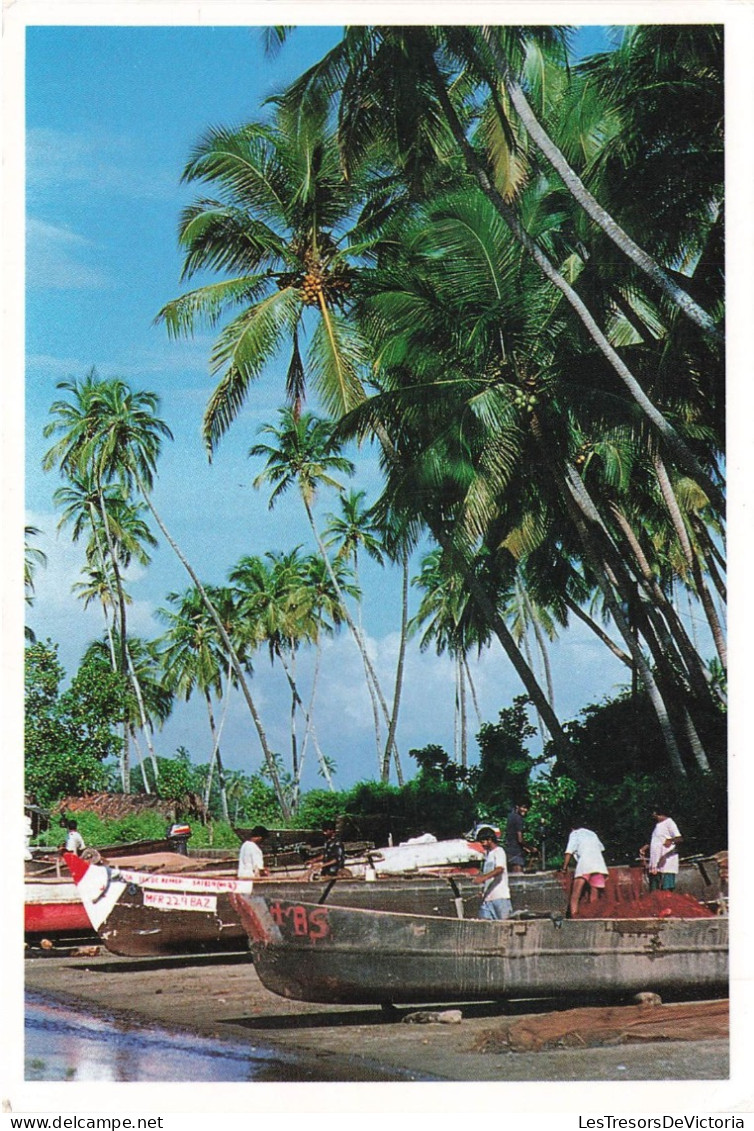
pixel 116 806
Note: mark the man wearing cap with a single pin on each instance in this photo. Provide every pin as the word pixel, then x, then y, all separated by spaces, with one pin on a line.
pixel 251 857
pixel 496 900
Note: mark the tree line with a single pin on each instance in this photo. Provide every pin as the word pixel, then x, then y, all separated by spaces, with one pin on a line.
pixel 505 272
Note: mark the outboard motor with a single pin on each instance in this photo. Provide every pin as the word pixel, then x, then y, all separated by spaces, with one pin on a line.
pixel 178 837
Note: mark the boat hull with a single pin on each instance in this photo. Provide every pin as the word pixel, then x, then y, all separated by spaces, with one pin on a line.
pixel 310 952
pixel 142 914
pixel 152 915
pixel 54 908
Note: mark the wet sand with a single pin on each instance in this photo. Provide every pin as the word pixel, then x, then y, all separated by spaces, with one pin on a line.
pixel 222 997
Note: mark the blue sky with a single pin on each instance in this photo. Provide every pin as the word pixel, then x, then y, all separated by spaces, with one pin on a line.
pixel 112 114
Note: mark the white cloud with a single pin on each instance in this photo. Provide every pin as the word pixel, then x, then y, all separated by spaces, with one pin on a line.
pixel 100 163
pixel 55 258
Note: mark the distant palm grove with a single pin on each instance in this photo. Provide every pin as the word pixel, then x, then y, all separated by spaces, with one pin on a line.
pixel 503 272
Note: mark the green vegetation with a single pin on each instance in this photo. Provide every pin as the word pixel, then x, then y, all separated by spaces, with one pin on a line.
pixel 69 735
pixel 438 226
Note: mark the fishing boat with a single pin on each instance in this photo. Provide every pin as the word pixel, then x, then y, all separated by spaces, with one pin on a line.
pixel 132 919
pixel 150 913
pixel 334 954
pixel 53 908
pixel 138 913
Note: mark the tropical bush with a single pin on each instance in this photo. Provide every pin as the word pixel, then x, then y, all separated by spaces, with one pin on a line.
pixel 69 735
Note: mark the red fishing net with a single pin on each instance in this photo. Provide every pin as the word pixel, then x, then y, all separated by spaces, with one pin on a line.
pixel 651 905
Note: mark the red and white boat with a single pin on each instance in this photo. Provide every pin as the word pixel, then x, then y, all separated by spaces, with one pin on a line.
pixel 52 906
pixel 52 903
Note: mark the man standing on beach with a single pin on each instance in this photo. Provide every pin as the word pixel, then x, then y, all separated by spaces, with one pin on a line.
pixel 663 861
pixel 515 849
pixel 251 857
pixel 496 901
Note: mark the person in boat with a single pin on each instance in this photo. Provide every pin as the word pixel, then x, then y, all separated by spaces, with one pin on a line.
pixel 515 849
pixel 333 855
pixel 74 841
pixel 586 848
pixel 251 857
pixel 660 855
pixel 496 898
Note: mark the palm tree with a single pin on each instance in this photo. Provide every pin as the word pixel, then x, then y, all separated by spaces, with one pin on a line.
pixel 118 435
pixel 304 452
pixel 194 658
pixel 280 233
pixel 370 69
pixel 351 532
pixel 150 702
pixel 527 616
pixel 470 398
pixel 113 521
pixel 328 617
pixel 445 614
pixel 33 557
pixel 497 41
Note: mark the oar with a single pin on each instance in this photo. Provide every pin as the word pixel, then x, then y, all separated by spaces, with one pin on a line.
pixel 458 897
pixel 328 889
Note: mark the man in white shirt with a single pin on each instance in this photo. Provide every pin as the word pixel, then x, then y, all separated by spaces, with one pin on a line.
pixel 74 842
pixel 251 857
pixel 496 900
pixel 661 854
pixel 586 848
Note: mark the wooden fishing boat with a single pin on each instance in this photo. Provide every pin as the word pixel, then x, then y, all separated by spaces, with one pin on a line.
pixel 52 907
pixel 138 913
pixel 150 913
pixel 132 917
pixel 334 954
pixel 52 904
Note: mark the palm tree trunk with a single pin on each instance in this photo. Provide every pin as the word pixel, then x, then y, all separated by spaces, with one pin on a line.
pixel 390 744
pixel 456 714
pixel 472 689
pixel 348 618
pixel 711 558
pixel 675 443
pixel 695 743
pixel 309 716
pixel 146 729
pixel 462 713
pixel 530 661
pixel 697 675
pixel 592 207
pixel 140 759
pixel 121 605
pixel 583 511
pixel 541 645
pixel 674 511
pixel 269 758
pixel 603 636
pixel 298 702
pixel 372 694
pixel 216 757
pixel 501 630
pixel 295 772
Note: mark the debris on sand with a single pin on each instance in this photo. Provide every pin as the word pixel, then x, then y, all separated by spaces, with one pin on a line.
pixel 598 1026
pixel 431 1016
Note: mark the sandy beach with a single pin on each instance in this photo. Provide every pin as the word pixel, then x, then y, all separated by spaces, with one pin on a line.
pixel 222 997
